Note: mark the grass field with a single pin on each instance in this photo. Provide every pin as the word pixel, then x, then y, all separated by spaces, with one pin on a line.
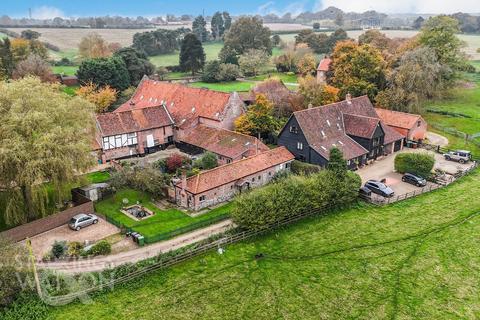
pixel 286 78
pixel 466 101
pixel 163 221
pixel 211 51
pixel 238 86
pixel 416 259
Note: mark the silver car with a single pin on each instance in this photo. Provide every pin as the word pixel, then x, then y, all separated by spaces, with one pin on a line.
pixel 462 156
pixel 82 220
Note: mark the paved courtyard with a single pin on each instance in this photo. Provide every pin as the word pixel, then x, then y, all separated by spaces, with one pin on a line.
pixel 384 169
pixel 43 242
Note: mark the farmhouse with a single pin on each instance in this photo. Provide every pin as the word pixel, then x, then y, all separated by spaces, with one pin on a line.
pixel 322 69
pixel 352 126
pixel 214 186
pixel 412 126
pixel 133 132
pixel 160 114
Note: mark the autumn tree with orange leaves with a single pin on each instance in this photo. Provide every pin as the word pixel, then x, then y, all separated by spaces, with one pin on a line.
pixel 102 98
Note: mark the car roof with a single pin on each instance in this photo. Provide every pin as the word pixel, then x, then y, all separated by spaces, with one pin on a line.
pixel 463 151
pixel 81 215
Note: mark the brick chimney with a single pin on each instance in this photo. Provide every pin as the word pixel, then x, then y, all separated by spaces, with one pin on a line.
pixel 184 182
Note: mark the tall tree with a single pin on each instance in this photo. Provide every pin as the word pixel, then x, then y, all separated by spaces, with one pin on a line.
pixel 44 137
pixel 105 71
pixel 418 77
pixel 34 66
pixel 199 28
pixel 93 46
pixel 439 33
pixel 6 59
pixel 316 94
pixel 227 20
pixel 358 69
pixel 192 56
pixel 252 60
pixel 258 120
pixel 337 164
pixel 137 64
pixel 418 23
pixel 248 33
pixel 217 26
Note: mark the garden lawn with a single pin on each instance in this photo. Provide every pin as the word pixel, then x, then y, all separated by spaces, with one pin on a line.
pixel 232 86
pixel 416 259
pixel 162 222
pixel 285 77
pixel 65 70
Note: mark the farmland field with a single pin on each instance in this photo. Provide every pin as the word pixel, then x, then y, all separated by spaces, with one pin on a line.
pixel 411 260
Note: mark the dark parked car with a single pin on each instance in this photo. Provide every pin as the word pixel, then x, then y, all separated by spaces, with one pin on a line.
pixel 364 191
pixel 379 188
pixel 82 220
pixel 415 180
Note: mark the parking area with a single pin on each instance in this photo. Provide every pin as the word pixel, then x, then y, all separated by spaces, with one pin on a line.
pixel 43 242
pixel 384 169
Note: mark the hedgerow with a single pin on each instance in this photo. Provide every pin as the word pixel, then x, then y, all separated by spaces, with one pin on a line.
pixel 416 163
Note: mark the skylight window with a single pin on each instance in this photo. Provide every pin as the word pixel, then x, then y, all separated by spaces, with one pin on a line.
pixel 341 143
pixel 193 110
pixel 325 149
pixel 328 122
pixel 323 134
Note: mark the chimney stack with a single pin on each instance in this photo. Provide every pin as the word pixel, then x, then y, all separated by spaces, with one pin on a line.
pixel 348 98
pixel 184 181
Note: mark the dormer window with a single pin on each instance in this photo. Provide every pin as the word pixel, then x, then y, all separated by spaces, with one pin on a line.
pixel 293 129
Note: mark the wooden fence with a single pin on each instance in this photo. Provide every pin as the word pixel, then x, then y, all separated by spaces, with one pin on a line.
pixel 237 236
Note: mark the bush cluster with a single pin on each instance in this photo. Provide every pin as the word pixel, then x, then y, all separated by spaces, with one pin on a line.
pixel 101 248
pixel 149 179
pixel 304 168
pixel 294 195
pixel 420 164
pixel 215 71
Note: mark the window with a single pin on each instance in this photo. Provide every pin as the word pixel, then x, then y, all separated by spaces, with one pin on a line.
pixel 419 123
pixel 348 162
pixel 253 179
pixel 229 160
pixel 202 198
pixel 287 165
pixel 293 129
pixel 259 178
pixel 299 146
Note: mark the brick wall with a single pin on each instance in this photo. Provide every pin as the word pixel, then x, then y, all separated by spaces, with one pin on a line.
pixel 42 225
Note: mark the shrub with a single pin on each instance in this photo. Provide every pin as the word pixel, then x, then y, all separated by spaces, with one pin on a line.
pixel 74 249
pixel 148 179
pixel 416 163
pixel 294 195
pixel 101 248
pixel 175 161
pixel 299 167
pixel 215 71
pixel 207 161
pixel 59 248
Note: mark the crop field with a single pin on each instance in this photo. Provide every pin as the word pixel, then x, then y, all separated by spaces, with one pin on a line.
pixel 412 260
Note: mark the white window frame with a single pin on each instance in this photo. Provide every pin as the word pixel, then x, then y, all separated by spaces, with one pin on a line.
pixel 299 146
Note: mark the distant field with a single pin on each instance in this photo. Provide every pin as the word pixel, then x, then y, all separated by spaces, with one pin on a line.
pixel 211 51
pixel 472 41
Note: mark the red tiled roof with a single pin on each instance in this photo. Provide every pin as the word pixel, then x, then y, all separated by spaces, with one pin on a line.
pixel 324 65
pixel 398 119
pixel 237 170
pixel 133 120
pixel 391 135
pixel 224 142
pixel 184 103
pixel 360 126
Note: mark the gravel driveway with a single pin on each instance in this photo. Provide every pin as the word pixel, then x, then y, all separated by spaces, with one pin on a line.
pixel 43 242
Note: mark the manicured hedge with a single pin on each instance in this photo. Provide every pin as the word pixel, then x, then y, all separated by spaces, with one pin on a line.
pixel 299 167
pixel 294 195
pixel 416 163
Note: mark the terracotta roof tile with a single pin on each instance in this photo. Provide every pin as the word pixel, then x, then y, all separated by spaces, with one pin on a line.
pixel 133 120
pixel 223 142
pixel 237 170
pixel 324 65
pixel 398 119
pixel 391 135
pixel 183 103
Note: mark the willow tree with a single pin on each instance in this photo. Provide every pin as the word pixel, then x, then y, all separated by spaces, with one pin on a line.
pixel 45 136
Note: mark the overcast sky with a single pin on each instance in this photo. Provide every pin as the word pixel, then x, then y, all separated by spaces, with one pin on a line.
pixel 65 8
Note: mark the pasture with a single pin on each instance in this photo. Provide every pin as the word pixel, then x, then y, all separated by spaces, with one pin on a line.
pixel 410 260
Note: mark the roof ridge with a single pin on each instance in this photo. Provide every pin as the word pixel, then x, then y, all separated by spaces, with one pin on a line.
pixel 330 104
pixel 236 162
pixel 395 111
pixel 358 115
